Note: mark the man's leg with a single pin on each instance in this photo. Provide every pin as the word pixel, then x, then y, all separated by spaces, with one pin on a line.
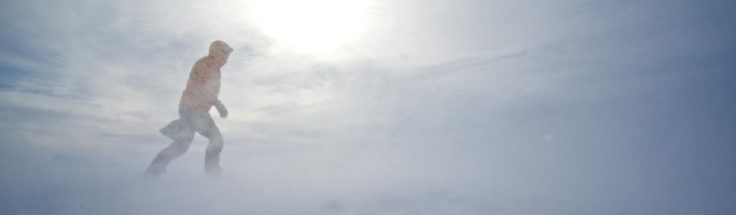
pixel 206 127
pixel 212 155
pixel 174 150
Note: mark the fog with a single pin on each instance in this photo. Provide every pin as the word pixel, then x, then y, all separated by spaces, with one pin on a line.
pixel 441 107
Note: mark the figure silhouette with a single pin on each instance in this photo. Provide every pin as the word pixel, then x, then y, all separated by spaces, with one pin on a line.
pixel 196 101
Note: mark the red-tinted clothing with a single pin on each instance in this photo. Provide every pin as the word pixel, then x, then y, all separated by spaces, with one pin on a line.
pixel 203 85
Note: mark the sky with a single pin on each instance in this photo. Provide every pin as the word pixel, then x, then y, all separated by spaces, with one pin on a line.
pixel 374 107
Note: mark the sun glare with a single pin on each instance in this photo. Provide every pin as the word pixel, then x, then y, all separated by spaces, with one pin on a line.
pixel 315 27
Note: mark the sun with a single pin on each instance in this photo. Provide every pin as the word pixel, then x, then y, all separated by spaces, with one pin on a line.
pixel 315 27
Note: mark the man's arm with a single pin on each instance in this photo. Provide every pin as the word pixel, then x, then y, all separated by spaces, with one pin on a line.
pixel 221 109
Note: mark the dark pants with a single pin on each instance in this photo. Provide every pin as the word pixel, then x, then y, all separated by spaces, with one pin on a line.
pixel 181 131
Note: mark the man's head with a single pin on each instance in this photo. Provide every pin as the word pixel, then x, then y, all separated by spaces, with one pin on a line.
pixel 220 50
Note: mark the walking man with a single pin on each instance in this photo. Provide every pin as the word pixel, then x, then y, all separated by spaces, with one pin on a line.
pixel 196 101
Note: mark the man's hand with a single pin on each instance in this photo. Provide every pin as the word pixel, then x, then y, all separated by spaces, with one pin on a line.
pixel 221 109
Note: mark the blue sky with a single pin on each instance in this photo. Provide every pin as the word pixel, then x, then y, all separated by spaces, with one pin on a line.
pixel 423 107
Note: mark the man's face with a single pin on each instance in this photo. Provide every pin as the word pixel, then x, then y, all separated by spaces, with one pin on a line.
pixel 225 53
pixel 225 57
pixel 222 56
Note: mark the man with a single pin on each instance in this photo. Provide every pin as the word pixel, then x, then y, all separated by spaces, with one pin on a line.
pixel 196 101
